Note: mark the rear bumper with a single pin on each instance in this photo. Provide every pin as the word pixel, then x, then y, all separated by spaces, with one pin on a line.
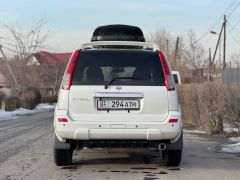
pixel 84 130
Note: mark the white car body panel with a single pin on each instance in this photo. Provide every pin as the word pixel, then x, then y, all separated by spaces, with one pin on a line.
pixel 82 104
pixel 150 122
pixel 122 129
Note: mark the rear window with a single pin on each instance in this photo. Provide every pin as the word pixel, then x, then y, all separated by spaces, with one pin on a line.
pixel 98 67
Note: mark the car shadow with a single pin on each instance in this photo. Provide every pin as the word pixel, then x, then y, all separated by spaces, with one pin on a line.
pixel 117 158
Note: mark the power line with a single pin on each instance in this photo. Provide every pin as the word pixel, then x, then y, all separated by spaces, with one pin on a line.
pixel 207 32
pixel 232 28
pixel 234 38
pixel 234 9
pixel 232 3
pixel 204 34
pixel 236 24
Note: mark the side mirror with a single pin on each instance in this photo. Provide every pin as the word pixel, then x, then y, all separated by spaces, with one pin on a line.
pixel 175 77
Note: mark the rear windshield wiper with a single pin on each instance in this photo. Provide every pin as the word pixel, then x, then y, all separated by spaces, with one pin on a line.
pixel 116 78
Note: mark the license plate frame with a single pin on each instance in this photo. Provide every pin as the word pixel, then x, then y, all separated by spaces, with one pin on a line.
pixel 118 104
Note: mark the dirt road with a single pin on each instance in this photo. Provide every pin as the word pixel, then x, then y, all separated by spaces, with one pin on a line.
pixel 26 153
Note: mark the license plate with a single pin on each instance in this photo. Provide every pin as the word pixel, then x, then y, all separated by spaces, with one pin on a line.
pixel 118 104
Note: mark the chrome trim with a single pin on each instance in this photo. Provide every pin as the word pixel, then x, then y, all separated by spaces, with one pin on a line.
pixel 117 95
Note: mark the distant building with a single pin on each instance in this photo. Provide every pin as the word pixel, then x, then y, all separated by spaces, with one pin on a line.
pixel 53 65
pixel 48 58
pixel 231 75
pixel 3 82
pixel 206 74
pixel 4 87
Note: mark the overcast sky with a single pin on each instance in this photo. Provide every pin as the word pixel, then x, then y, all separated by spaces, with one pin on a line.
pixel 72 22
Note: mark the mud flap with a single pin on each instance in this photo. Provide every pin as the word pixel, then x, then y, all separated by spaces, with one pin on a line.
pixel 60 145
pixel 178 145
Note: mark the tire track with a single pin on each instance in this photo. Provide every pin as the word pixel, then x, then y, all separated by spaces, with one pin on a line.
pixel 14 149
pixel 22 121
pixel 28 130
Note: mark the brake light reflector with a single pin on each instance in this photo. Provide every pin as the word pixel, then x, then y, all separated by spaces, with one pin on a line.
pixel 68 75
pixel 169 81
pixel 173 120
pixel 62 120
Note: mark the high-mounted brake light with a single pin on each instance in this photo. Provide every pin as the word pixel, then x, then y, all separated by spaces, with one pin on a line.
pixel 68 75
pixel 169 81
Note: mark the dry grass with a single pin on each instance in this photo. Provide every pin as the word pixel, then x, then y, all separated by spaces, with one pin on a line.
pixel 203 105
pixel 2 95
pixel 189 104
pixel 12 103
pixel 232 105
pixel 30 98
pixel 49 99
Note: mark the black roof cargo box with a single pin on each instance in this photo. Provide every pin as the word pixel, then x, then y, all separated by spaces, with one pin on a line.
pixel 118 32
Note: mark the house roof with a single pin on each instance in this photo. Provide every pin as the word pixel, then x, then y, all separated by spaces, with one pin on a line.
pixel 48 58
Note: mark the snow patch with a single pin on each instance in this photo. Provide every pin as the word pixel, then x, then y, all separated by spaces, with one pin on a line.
pixel 45 106
pixel 5 115
pixel 194 131
pixel 231 148
pixel 234 139
pixel 228 128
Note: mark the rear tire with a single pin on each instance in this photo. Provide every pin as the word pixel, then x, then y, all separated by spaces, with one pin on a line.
pixel 172 157
pixel 62 157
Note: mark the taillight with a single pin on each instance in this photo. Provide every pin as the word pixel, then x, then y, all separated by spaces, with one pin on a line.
pixel 173 120
pixel 62 120
pixel 68 75
pixel 169 81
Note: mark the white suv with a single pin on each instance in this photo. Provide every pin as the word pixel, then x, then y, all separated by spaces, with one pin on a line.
pixel 118 94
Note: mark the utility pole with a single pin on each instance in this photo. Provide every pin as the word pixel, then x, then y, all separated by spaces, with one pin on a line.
pixel 210 57
pixel 167 49
pixel 10 69
pixel 176 53
pixel 224 41
pixel 220 50
pixel 219 37
pixel 210 66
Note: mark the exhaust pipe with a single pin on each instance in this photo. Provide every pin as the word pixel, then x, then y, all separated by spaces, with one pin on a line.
pixel 162 146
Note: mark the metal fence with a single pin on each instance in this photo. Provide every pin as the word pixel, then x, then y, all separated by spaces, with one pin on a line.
pixel 231 76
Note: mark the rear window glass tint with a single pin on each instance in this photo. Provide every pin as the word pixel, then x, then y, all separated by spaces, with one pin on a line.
pixel 98 67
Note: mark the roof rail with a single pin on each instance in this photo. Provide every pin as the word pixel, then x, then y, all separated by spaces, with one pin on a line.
pixel 100 44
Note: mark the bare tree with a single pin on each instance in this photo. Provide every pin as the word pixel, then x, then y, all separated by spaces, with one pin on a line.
pixel 194 53
pixel 168 44
pixel 25 42
pixel 163 39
